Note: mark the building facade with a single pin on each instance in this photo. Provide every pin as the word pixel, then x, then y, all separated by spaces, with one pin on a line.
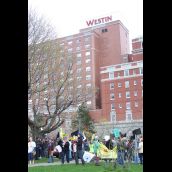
pixel 103 63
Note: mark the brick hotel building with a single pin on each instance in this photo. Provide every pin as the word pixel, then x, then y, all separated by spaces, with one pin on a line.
pixel 104 62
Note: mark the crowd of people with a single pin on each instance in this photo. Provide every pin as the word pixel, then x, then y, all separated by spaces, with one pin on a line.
pixel 67 149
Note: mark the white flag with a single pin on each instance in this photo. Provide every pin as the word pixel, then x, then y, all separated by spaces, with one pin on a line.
pixel 88 156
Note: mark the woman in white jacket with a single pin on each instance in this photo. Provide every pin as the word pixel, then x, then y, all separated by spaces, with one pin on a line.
pixel 140 148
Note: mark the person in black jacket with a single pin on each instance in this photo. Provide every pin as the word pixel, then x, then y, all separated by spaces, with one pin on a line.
pixel 65 150
pixel 80 149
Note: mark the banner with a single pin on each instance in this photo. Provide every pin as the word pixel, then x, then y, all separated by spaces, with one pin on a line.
pixel 116 132
pixel 88 156
pixel 105 153
pixel 137 131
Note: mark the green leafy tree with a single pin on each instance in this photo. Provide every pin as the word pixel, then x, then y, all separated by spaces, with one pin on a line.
pixel 83 121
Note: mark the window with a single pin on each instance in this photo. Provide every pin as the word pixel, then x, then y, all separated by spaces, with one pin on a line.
pixel 142 93
pixel 127 94
pixel 134 71
pixel 120 106
pixel 69 50
pixel 135 93
pixel 87 60
pixel 78 55
pixel 111 86
pixel 70 42
pixel 111 75
pixel 88 85
pixel 104 30
pixel 78 62
pixel 126 72
pixel 119 84
pixel 88 69
pixel 113 116
pixel 62 44
pixel 136 104
pixel 78 41
pixel 127 84
pixel 79 70
pixel 79 78
pixel 119 95
pixel 71 71
pixel 77 48
pixel 141 70
pixel 128 105
pixel 113 106
pixel 87 53
pixel 135 82
pixel 128 116
pixel 87 39
pixel 141 82
pixel 88 77
pixel 112 96
pixel 88 102
pixel 79 86
pixel 87 46
pixel 118 74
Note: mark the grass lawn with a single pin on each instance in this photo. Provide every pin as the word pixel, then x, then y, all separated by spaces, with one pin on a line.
pixel 85 168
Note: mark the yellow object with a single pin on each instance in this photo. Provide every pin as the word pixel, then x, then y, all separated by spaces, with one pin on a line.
pixel 104 153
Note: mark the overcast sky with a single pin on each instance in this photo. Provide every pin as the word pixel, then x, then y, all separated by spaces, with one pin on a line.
pixel 68 16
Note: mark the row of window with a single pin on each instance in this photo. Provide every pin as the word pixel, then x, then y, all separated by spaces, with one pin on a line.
pixel 126 73
pixel 69 50
pixel 128 105
pixel 86 61
pixel 77 41
pixel 112 95
pixel 113 116
pixel 127 84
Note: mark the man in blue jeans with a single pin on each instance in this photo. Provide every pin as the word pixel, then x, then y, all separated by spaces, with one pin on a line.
pixel 80 151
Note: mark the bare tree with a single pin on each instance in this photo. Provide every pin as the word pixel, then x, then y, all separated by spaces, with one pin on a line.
pixel 52 78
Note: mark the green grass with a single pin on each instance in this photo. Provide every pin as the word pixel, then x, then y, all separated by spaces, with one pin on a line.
pixel 85 168
pixel 45 160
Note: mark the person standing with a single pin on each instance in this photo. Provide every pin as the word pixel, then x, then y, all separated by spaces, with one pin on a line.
pixel 140 149
pixel 31 150
pixel 50 151
pixel 65 150
pixel 80 149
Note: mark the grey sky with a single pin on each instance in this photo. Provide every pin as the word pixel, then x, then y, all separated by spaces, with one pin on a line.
pixel 68 16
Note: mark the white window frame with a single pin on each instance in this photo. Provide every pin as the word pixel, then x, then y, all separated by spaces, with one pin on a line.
pixel 112 96
pixel 119 84
pixel 135 82
pixel 111 75
pixel 89 102
pixel 69 42
pixel 127 116
pixel 141 71
pixel 136 104
pixel 135 93
pixel 88 85
pixel 78 62
pixel 87 60
pixel 126 72
pixel 128 105
pixel 87 53
pixel 120 106
pixel 112 106
pixel 112 84
pixel 88 69
pixel 88 77
pixel 78 55
pixel 127 84
pixel 127 93
pixel 141 82
pixel 119 95
pixel 113 116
